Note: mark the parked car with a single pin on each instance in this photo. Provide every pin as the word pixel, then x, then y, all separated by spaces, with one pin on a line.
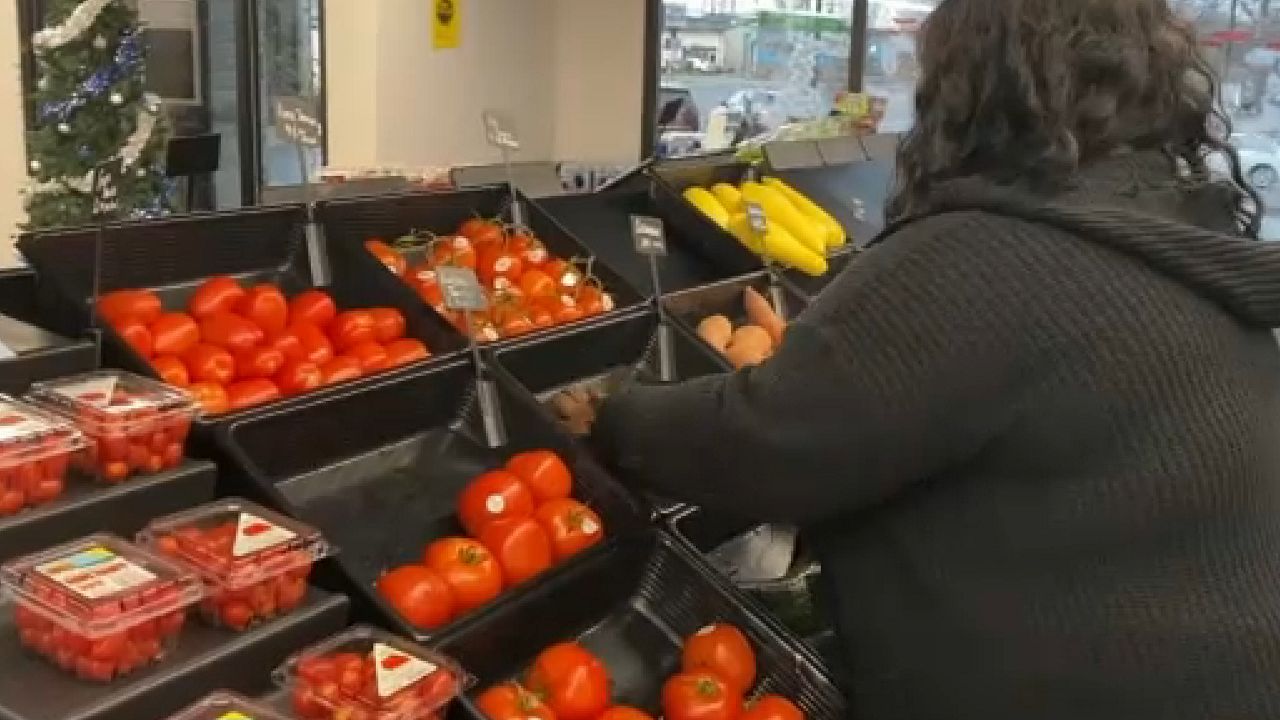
pixel 1259 159
pixel 755 111
pixel 676 109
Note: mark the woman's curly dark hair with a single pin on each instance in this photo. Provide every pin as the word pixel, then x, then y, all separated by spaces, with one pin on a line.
pixel 1027 91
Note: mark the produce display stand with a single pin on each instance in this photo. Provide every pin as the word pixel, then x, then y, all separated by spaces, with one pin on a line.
pixel 39 353
pixel 725 298
pixel 853 193
pixel 671 178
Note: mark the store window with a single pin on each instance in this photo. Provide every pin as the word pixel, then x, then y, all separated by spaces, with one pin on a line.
pixel 732 69
pixel 890 69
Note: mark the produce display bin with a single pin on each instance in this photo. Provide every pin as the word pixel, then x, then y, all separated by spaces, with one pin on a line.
pixel 632 607
pixel 228 706
pixel 809 287
pixel 400 453
pixel 39 355
pixel 671 178
pixel 174 256
pixel 854 193
pixel 690 307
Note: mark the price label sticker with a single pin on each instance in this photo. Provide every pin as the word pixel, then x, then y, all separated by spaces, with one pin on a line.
pixel 106 178
pixel 461 289
pixel 296 121
pixel 649 236
pixel 756 218
pixel 499 132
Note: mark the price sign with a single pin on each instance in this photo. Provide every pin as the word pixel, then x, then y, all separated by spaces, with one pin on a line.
pixel 461 289
pixel 499 132
pixel 105 180
pixel 756 217
pixel 649 236
pixel 296 121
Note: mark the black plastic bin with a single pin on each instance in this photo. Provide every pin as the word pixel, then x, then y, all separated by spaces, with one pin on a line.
pixel 725 298
pixel 671 178
pixel 40 355
pixel 172 257
pixel 633 606
pixel 378 472
pixel 853 193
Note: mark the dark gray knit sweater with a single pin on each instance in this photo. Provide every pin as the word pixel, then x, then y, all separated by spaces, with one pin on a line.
pixel 1036 444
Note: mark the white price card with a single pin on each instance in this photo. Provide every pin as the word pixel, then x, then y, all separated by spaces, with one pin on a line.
pixel 499 132
pixel 649 236
pixel 756 217
pixel 461 289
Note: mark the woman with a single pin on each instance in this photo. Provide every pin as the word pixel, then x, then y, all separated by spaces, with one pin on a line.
pixel 1034 433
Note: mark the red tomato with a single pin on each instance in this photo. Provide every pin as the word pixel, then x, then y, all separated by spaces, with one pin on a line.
pixel 248 393
pixel 471 572
pixel 231 331
pixel 622 712
pixel 418 594
pixel 572 681
pixel 537 284
pixel 174 333
pixel 498 267
pixel 483 232
pixel 387 255
pixel 423 280
pixel 521 546
pixel 509 701
pixel 540 316
pixel 341 369
pixel 529 248
pixel 265 305
pixel 388 324
pixel 592 300
pixel 495 495
pixel 259 362
pixel 772 707
pixel 405 351
pixel 299 377
pixel 564 309
pixel 215 295
pixel 351 328
pixel 573 527
pixel 699 696
pixel 211 397
pixel 723 650
pixel 119 305
pixel 455 251
pixel 312 306
pixel 544 473
pixel 137 336
pixel 316 347
pixel 288 344
pixel 371 356
pixel 171 370
pixel 209 363
pixel 566 274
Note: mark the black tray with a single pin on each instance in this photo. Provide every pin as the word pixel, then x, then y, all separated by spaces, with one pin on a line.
pixel 670 179
pixel 123 509
pixel 725 298
pixel 205 660
pixel 39 355
pixel 808 286
pixel 361 478
pixel 633 606
pixel 836 187
pixel 174 256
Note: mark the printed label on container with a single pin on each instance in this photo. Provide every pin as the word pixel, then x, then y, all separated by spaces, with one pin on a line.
pixel 233 715
pixel 15 425
pixel 396 670
pixel 96 391
pixel 96 573
pixel 253 534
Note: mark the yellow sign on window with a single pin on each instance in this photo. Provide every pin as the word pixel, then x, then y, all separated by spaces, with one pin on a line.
pixel 446 17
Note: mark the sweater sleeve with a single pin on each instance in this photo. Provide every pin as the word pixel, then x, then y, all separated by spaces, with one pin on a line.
pixel 906 364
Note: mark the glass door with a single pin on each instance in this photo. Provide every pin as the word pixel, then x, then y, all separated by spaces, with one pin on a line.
pixel 289 64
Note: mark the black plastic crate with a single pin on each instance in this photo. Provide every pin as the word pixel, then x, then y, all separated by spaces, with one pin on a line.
pixel 671 178
pixel 381 471
pixel 633 606
pixel 725 298
pixel 39 355
pixel 173 256
pixel 809 287
pixel 853 193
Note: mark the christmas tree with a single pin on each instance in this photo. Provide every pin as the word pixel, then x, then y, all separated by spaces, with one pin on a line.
pixel 92 111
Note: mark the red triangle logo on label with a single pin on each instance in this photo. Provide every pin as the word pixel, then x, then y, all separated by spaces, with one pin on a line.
pixel 391 662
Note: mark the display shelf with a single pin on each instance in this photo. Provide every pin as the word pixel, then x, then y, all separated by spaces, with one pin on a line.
pixel 810 287
pixel 122 509
pixel 690 307
pixel 205 659
pixel 853 193
pixel 41 354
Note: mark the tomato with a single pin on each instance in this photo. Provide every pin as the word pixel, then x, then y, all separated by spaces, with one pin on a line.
pixel 572 681
pixel 544 473
pixel 700 696
pixel 341 369
pixel 509 701
pixel 573 527
pixel 456 251
pixel 351 328
pixel 521 547
pixel 119 305
pixel 495 495
pixel 312 306
pixel 265 305
pixel 592 300
pixel 723 650
pixel 418 594
pixel 540 316
pixel 387 255
pixel 209 363
pixel 498 268
pixel 174 334
pixel 564 309
pixel 388 324
pixel 622 712
pixel 231 331
pixel 566 274
pixel 537 284
pixel 299 377
pixel 171 370
pixel 772 707
pixel 483 232
pixel 137 336
pixel 471 572
pixel 405 351
pixel 529 248
pixel 371 356
pixel 316 347
pixel 259 362
pixel 424 281
pixel 211 397
pixel 215 295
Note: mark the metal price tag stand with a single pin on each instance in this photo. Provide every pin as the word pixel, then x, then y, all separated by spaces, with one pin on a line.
pixel 104 183
pixel 651 241
pixel 462 293
pixel 501 135
pixel 296 122
pixel 760 226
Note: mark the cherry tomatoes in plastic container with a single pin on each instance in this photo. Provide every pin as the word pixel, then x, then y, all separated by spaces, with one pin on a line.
pixel 36 451
pixel 134 425
pixel 254 562
pixel 99 608
pixel 367 673
pixel 224 705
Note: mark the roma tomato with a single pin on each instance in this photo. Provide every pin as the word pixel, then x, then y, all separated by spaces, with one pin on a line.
pixel 388 324
pixel 350 328
pixel 215 295
pixel 498 267
pixel 405 351
pixel 174 333
pixel 483 232
pixel 299 377
pixel 622 712
pixel 509 701
pixel 543 472
pixel 419 594
pixel 231 331
pixel 573 527
pixel 312 306
pixel 723 650
pixel 456 251
pixel 248 393
pixel 209 363
pixel 371 356
pixel 495 495
pixel 316 347
pixel 341 369
pixel 211 397
pixel 137 336
pixel 572 681
pixel 259 362
pixel 387 255
pixel 773 707
pixel 470 571
pixel 700 696
pixel 288 344
pixel 119 305
pixel 521 546
pixel 171 370
pixel 266 306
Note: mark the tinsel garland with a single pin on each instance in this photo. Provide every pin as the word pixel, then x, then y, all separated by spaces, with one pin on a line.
pixel 128 57
pixel 129 153
pixel 79 21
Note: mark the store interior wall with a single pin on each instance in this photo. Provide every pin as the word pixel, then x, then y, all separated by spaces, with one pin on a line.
pixel 13 171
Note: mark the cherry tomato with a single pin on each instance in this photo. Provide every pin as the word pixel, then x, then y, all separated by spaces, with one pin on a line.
pixel 498 268
pixel 266 306
pixel 473 575
pixel 420 595
pixel 299 377
pixel 723 650
pixel 312 306
pixel 171 370
pixel 387 255
pixel 482 232
pixel 371 356
pixel 509 701
pixel 209 363
pixel 424 281
pixel 700 696
pixel 537 284
pixel 211 397
pixel 174 334
pixel 544 473
pixel 388 324
pixel 566 274
pixel 341 369
pixel 529 248
pixel 137 336
pixel 405 351
pixel 350 328
pixel 772 707
pixel 564 309
pixel 215 295
pixel 573 527
pixel 258 362
pixel 316 347
pixel 622 712
pixel 540 316
pixel 247 393
pixel 572 681
pixel 118 306
pixel 592 300
pixel 495 495
pixel 231 331
pixel 521 547
pixel 455 251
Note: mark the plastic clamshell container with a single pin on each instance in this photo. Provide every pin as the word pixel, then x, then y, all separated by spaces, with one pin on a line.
pixel 36 452
pixel 99 607
pixel 254 562
pixel 378 676
pixel 134 425
pixel 228 706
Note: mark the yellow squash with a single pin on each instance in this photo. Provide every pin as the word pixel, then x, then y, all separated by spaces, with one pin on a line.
pixel 728 196
pixel 777 244
pixel 835 232
pixel 708 205
pixel 780 211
